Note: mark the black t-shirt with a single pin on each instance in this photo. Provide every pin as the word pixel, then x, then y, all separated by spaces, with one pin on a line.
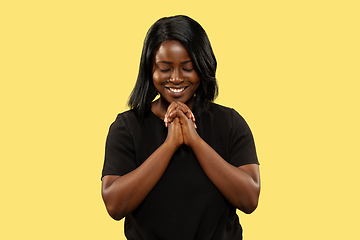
pixel 184 204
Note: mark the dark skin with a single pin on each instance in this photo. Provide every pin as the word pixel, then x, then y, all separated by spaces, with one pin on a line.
pixel 239 185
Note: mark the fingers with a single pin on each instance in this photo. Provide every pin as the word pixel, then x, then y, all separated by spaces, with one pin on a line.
pixel 189 115
pixel 185 109
pixel 175 133
pixel 167 117
pixel 184 117
pixel 173 112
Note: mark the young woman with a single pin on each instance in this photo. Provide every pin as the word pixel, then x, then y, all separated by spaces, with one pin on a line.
pixel 179 167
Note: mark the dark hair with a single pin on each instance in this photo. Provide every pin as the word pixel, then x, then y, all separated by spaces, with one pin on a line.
pixel 194 38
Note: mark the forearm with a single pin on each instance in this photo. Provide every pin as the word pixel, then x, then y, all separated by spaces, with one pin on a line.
pixel 124 194
pixel 239 187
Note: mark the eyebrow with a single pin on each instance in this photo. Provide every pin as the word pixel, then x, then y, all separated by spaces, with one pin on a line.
pixel 166 62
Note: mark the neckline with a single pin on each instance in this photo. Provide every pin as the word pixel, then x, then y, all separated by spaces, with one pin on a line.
pixel 152 113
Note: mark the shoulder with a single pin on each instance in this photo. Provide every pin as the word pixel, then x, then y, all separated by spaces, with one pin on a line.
pixel 126 118
pixel 214 107
pixel 224 113
pixel 227 119
pixel 123 123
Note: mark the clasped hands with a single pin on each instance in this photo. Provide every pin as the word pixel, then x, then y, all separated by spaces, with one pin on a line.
pixel 180 122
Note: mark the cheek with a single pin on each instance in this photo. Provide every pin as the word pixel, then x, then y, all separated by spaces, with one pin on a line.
pixel 154 75
pixel 194 78
pixel 157 81
pixel 158 77
pixel 197 83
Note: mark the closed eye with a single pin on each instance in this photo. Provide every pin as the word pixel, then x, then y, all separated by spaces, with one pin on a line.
pixel 166 70
pixel 187 70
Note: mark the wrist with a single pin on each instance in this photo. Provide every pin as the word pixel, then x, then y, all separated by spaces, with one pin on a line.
pixel 196 142
pixel 171 145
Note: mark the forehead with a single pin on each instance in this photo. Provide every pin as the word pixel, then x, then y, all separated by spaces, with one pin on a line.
pixel 171 50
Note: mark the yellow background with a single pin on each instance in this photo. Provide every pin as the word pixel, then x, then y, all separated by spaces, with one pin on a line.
pixel 291 68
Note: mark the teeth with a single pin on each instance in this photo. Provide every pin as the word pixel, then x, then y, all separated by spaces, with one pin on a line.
pixel 176 90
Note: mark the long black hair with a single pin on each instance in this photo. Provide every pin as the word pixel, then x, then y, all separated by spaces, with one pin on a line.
pixel 194 38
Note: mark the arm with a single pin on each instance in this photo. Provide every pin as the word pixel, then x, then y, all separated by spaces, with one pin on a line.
pixel 239 185
pixel 123 194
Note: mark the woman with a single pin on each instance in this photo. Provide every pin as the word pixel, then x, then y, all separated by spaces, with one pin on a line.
pixel 170 175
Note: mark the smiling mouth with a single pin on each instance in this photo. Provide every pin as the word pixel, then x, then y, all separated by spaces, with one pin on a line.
pixel 176 90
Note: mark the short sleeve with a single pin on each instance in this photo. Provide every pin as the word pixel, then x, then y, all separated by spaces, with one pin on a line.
pixel 119 149
pixel 242 146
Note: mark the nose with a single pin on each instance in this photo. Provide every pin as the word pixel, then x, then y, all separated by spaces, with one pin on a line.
pixel 176 78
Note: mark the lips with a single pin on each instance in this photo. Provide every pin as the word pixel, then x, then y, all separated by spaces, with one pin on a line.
pixel 176 89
